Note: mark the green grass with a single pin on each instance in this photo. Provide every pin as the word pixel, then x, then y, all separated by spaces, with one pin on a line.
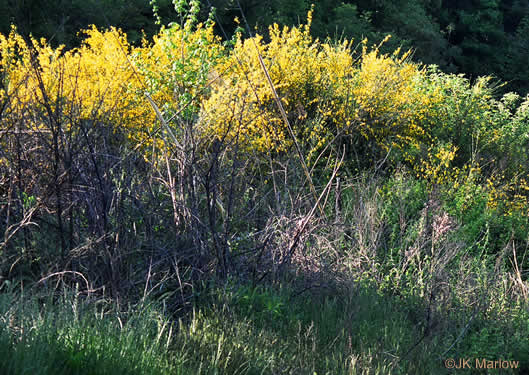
pixel 238 329
pixel 69 336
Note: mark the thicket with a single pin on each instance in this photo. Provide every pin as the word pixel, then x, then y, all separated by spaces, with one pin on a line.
pixel 145 172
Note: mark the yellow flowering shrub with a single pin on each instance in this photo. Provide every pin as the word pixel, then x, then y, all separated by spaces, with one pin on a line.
pixel 325 91
pixel 393 101
pixel 11 48
pixel 310 78
pixel 106 77
pixel 91 81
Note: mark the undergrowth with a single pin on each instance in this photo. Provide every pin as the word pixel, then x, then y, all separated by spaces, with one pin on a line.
pixel 243 329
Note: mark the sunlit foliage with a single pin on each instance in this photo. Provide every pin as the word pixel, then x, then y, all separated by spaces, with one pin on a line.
pixel 311 79
pixel 94 79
